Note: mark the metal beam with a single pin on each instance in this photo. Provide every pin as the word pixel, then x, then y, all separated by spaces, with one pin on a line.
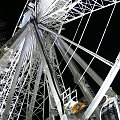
pixel 102 91
pixel 85 88
pixel 48 73
pixel 20 17
pixel 72 11
pixel 84 65
pixel 79 46
pixel 36 87
pixel 11 93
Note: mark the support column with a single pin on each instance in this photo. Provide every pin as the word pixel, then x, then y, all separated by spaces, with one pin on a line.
pixel 105 86
pixel 85 88
pixel 36 87
pixel 11 93
pixel 84 65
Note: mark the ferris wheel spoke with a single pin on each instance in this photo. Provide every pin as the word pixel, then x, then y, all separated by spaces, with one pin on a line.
pixel 74 10
pixel 31 71
pixel 77 45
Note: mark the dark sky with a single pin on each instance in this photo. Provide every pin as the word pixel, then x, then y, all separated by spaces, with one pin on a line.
pixel 110 46
pixel 11 10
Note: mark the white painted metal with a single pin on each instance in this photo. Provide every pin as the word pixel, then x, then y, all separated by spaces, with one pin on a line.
pixel 64 11
pixel 15 90
pixel 79 46
pixel 84 86
pixel 105 86
pixel 33 55
pixel 84 65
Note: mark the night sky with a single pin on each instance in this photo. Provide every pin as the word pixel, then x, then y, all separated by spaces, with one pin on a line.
pixel 110 47
pixel 10 11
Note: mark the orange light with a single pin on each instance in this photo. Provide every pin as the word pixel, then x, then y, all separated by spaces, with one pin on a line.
pixel 77 107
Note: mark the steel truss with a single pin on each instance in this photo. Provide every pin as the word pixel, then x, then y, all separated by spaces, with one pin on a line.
pixel 30 73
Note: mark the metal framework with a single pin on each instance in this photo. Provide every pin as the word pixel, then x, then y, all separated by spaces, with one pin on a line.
pixel 32 85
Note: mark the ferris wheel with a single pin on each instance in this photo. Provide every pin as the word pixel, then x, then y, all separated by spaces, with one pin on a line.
pixel 38 65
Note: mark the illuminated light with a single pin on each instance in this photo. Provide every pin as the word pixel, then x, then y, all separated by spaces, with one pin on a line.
pixel 77 107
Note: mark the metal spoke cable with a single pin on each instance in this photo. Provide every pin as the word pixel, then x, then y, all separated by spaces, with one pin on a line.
pixel 72 40
pixel 79 41
pixel 98 45
pixel 100 8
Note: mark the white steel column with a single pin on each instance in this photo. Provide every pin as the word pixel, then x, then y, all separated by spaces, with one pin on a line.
pixel 84 65
pixel 84 86
pixel 55 95
pixel 36 87
pixel 79 46
pixel 52 83
pixel 105 86
pixel 6 112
